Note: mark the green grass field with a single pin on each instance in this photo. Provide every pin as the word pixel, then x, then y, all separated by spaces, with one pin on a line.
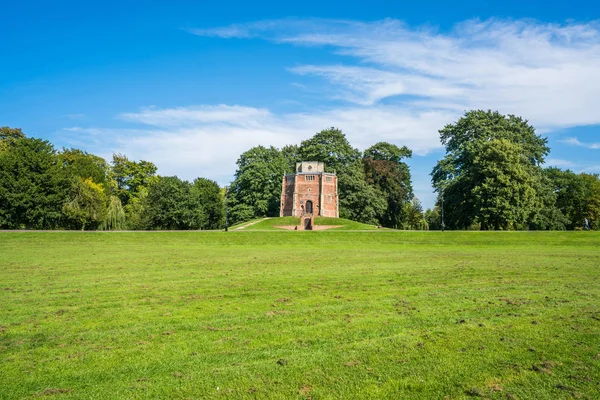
pixel 331 314
pixel 273 223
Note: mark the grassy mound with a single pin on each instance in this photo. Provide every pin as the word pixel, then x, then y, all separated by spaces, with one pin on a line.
pixel 273 223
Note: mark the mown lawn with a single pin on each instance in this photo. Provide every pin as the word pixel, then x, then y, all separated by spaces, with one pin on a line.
pixel 344 315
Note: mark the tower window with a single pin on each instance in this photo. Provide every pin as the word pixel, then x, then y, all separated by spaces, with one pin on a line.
pixel 310 177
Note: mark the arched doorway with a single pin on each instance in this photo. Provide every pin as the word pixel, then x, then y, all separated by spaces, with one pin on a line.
pixel 309 207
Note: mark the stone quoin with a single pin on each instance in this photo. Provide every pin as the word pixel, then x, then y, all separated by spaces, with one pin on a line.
pixel 309 192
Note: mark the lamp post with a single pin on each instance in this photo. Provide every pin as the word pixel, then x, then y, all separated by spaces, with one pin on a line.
pixel 226 209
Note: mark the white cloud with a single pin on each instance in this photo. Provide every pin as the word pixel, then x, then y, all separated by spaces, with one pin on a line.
pixel 575 142
pixel 207 140
pixel 557 162
pixel 397 83
pixel 548 73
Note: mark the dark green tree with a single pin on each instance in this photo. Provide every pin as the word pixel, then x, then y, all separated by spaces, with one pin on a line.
pixel 132 178
pixel 389 174
pixel 331 147
pixel 490 171
pixel 81 164
pixel 256 190
pixel 577 195
pixel 211 199
pixel 33 185
pixel 173 204
pixel 358 200
pixel 291 153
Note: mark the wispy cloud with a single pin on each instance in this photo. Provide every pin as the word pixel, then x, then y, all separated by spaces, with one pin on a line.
pixel 575 142
pixel 206 140
pixel 396 83
pixel 557 162
pixel 549 73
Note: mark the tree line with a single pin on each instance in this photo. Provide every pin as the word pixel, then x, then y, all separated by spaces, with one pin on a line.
pixel 491 178
pixel 42 188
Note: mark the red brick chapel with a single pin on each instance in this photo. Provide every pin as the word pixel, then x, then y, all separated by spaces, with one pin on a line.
pixel 309 192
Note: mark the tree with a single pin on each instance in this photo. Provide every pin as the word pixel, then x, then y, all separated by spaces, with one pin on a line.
pixel 33 185
pixel 490 170
pixel 131 180
pixel 8 136
pixel 433 219
pixel 87 204
pixel 173 204
pixel 131 177
pixel 291 154
pixel 211 199
pixel 385 170
pixel 577 195
pixel 331 147
pixel 358 200
pixel 115 219
pixel 257 184
pixel 81 164
pixel 415 219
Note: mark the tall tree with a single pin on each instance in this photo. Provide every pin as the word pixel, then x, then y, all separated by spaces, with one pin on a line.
pixel 256 190
pixel 131 177
pixel 490 161
pixel 131 181
pixel 173 204
pixel 331 147
pixel 577 195
pixel 211 199
pixel 358 200
pixel 33 185
pixel 85 165
pixel 388 173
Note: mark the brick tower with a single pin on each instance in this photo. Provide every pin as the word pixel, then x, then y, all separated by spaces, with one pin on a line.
pixel 309 192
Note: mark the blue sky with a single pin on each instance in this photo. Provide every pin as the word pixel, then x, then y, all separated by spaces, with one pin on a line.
pixel 191 85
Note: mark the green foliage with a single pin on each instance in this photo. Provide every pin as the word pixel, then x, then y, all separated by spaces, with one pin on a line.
pixel 115 219
pixel 33 185
pixel 331 147
pixel 8 136
pixel 256 190
pixel 292 155
pixel 503 182
pixel 385 171
pixel 358 200
pixel 81 164
pixel 433 219
pixel 86 206
pixel 415 220
pixel 211 200
pixel 132 177
pixel 131 180
pixel 490 172
pixel 388 152
pixel 173 204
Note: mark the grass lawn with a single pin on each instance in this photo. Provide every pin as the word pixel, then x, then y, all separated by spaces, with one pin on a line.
pixel 330 314
pixel 273 223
